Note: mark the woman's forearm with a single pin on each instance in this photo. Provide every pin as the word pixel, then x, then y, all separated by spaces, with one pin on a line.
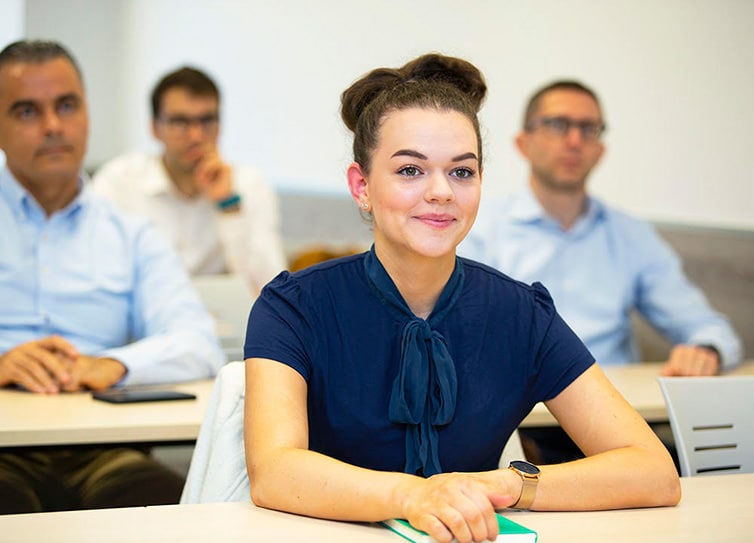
pixel 309 483
pixel 616 479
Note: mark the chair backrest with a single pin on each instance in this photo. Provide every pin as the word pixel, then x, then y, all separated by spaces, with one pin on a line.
pixel 228 300
pixel 712 419
pixel 218 465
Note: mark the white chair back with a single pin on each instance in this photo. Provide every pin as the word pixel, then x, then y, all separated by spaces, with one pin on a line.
pixel 712 419
pixel 218 466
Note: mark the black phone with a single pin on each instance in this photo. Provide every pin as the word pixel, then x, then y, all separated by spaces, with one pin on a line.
pixel 119 395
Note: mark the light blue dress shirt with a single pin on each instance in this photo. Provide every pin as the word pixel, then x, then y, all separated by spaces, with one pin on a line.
pixel 607 264
pixel 104 281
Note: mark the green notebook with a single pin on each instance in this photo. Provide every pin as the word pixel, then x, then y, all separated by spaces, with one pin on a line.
pixel 509 531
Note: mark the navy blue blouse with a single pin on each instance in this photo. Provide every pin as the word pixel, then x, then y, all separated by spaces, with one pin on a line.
pixel 510 348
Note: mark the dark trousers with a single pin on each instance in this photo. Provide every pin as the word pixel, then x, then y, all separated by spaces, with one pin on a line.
pixel 60 479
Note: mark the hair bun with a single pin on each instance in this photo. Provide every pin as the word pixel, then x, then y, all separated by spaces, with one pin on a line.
pixel 454 71
pixel 358 96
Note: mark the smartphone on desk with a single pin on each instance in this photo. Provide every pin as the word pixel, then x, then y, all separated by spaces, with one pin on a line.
pixel 124 395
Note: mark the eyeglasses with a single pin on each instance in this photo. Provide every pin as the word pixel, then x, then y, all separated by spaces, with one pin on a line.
pixel 561 126
pixel 183 123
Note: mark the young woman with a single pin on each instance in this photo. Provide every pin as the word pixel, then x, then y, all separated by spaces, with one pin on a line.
pixel 386 384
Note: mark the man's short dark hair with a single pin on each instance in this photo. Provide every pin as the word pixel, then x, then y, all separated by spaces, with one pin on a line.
pixel 194 81
pixel 37 52
pixel 564 84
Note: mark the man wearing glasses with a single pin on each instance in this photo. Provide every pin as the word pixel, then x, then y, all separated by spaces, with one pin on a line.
pixel 220 218
pixel 598 263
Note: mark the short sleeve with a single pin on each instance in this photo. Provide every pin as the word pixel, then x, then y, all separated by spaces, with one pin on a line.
pixel 560 356
pixel 280 325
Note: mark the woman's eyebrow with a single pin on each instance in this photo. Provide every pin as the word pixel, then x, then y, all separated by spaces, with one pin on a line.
pixel 420 156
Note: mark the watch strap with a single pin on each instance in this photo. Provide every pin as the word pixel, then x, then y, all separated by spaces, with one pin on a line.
pixel 528 489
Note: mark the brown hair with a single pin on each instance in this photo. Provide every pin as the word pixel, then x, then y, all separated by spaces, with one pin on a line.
pixel 532 106
pixel 195 81
pixel 431 81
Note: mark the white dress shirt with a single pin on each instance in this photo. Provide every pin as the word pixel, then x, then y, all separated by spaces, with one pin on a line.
pixel 246 243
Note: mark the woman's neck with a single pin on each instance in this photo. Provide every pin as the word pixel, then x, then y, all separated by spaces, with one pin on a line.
pixel 420 280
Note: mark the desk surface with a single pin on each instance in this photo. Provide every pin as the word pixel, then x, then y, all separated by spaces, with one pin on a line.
pixel 32 419
pixel 638 384
pixel 71 419
pixel 717 508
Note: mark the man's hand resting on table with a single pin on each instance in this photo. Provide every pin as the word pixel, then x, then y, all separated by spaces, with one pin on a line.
pixel 691 360
pixel 51 365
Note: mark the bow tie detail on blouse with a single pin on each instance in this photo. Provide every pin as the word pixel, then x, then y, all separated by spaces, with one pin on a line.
pixel 424 391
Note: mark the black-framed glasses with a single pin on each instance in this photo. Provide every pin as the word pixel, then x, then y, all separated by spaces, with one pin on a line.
pixel 183 123
pixel 561 126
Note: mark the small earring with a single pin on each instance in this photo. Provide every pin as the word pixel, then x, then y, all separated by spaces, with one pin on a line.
pixel 365 205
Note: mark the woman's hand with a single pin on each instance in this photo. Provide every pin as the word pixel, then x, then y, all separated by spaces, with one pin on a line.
pixel 460 505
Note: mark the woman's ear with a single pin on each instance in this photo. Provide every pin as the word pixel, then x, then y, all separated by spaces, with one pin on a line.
pixel 357 184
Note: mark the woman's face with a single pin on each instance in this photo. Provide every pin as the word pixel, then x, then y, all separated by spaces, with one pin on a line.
pixel 425 182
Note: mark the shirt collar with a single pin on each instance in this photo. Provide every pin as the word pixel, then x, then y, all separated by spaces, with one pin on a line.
pixel 158 182
pixel 525 208
pixel 23 204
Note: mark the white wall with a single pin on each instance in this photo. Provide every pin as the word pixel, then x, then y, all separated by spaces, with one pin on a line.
pixel 675 78
pixel 11 20
pixel 92 30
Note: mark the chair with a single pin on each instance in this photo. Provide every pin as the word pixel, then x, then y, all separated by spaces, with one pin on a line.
pixel 228 299
pixel 218 467
pixel 712 419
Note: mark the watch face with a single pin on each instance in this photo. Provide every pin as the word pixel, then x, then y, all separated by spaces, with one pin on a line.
pixel 525 467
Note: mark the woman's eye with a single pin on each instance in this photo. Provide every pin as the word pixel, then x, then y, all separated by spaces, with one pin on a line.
pixel 463 173
pixel 409 171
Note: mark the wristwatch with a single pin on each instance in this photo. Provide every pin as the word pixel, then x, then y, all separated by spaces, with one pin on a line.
pixel 530 475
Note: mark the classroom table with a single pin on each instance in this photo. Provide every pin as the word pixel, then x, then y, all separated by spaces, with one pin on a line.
pixel 28 419
pixel 713 509
pixel 69 419
pixel 638 384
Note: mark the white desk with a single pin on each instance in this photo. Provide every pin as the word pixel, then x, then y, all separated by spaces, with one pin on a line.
pixel 28 419
pixel 713 509
pixel 638 384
